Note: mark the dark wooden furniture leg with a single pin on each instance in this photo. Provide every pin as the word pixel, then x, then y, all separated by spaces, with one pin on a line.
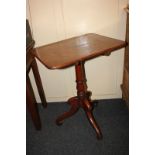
pixel 38 82
pixel 32 104
pixel 82 100
pixel 74 103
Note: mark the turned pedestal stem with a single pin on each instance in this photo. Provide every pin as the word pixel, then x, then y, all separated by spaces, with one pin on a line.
pixel 84 96
pixel 82 100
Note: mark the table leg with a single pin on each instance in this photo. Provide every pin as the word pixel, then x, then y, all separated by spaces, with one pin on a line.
pixel 32 105
pixel 83 100
pixel 38 83
pixel 85 97
pixel 74 108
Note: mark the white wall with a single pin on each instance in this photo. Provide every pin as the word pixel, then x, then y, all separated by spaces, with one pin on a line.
pixel 53 20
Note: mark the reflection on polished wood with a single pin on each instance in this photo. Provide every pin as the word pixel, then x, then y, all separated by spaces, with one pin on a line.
pixel 70 51
pixel 76 51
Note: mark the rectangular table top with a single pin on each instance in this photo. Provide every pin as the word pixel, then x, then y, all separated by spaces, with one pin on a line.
pixel 68 52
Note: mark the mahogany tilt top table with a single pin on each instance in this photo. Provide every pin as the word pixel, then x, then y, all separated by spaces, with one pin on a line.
pixel 75 51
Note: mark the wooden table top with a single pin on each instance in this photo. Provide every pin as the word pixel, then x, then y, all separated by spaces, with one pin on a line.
pixel 68 52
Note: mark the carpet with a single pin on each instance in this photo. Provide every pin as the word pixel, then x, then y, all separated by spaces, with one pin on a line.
pixel 76 136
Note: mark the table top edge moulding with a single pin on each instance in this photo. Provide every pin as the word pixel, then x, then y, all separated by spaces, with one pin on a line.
pixel 69 52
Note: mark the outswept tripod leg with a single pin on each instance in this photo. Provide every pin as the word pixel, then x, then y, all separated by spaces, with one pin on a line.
pixel 93 102
pixel 74 102
pixel 94 124
pixel 88 111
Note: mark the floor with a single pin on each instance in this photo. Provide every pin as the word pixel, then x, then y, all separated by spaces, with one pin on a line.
pixel 76 136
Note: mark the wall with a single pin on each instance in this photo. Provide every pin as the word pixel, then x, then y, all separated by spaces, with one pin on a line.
pixel 54 20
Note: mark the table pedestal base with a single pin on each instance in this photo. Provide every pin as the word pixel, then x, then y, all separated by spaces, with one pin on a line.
pixel 82 100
